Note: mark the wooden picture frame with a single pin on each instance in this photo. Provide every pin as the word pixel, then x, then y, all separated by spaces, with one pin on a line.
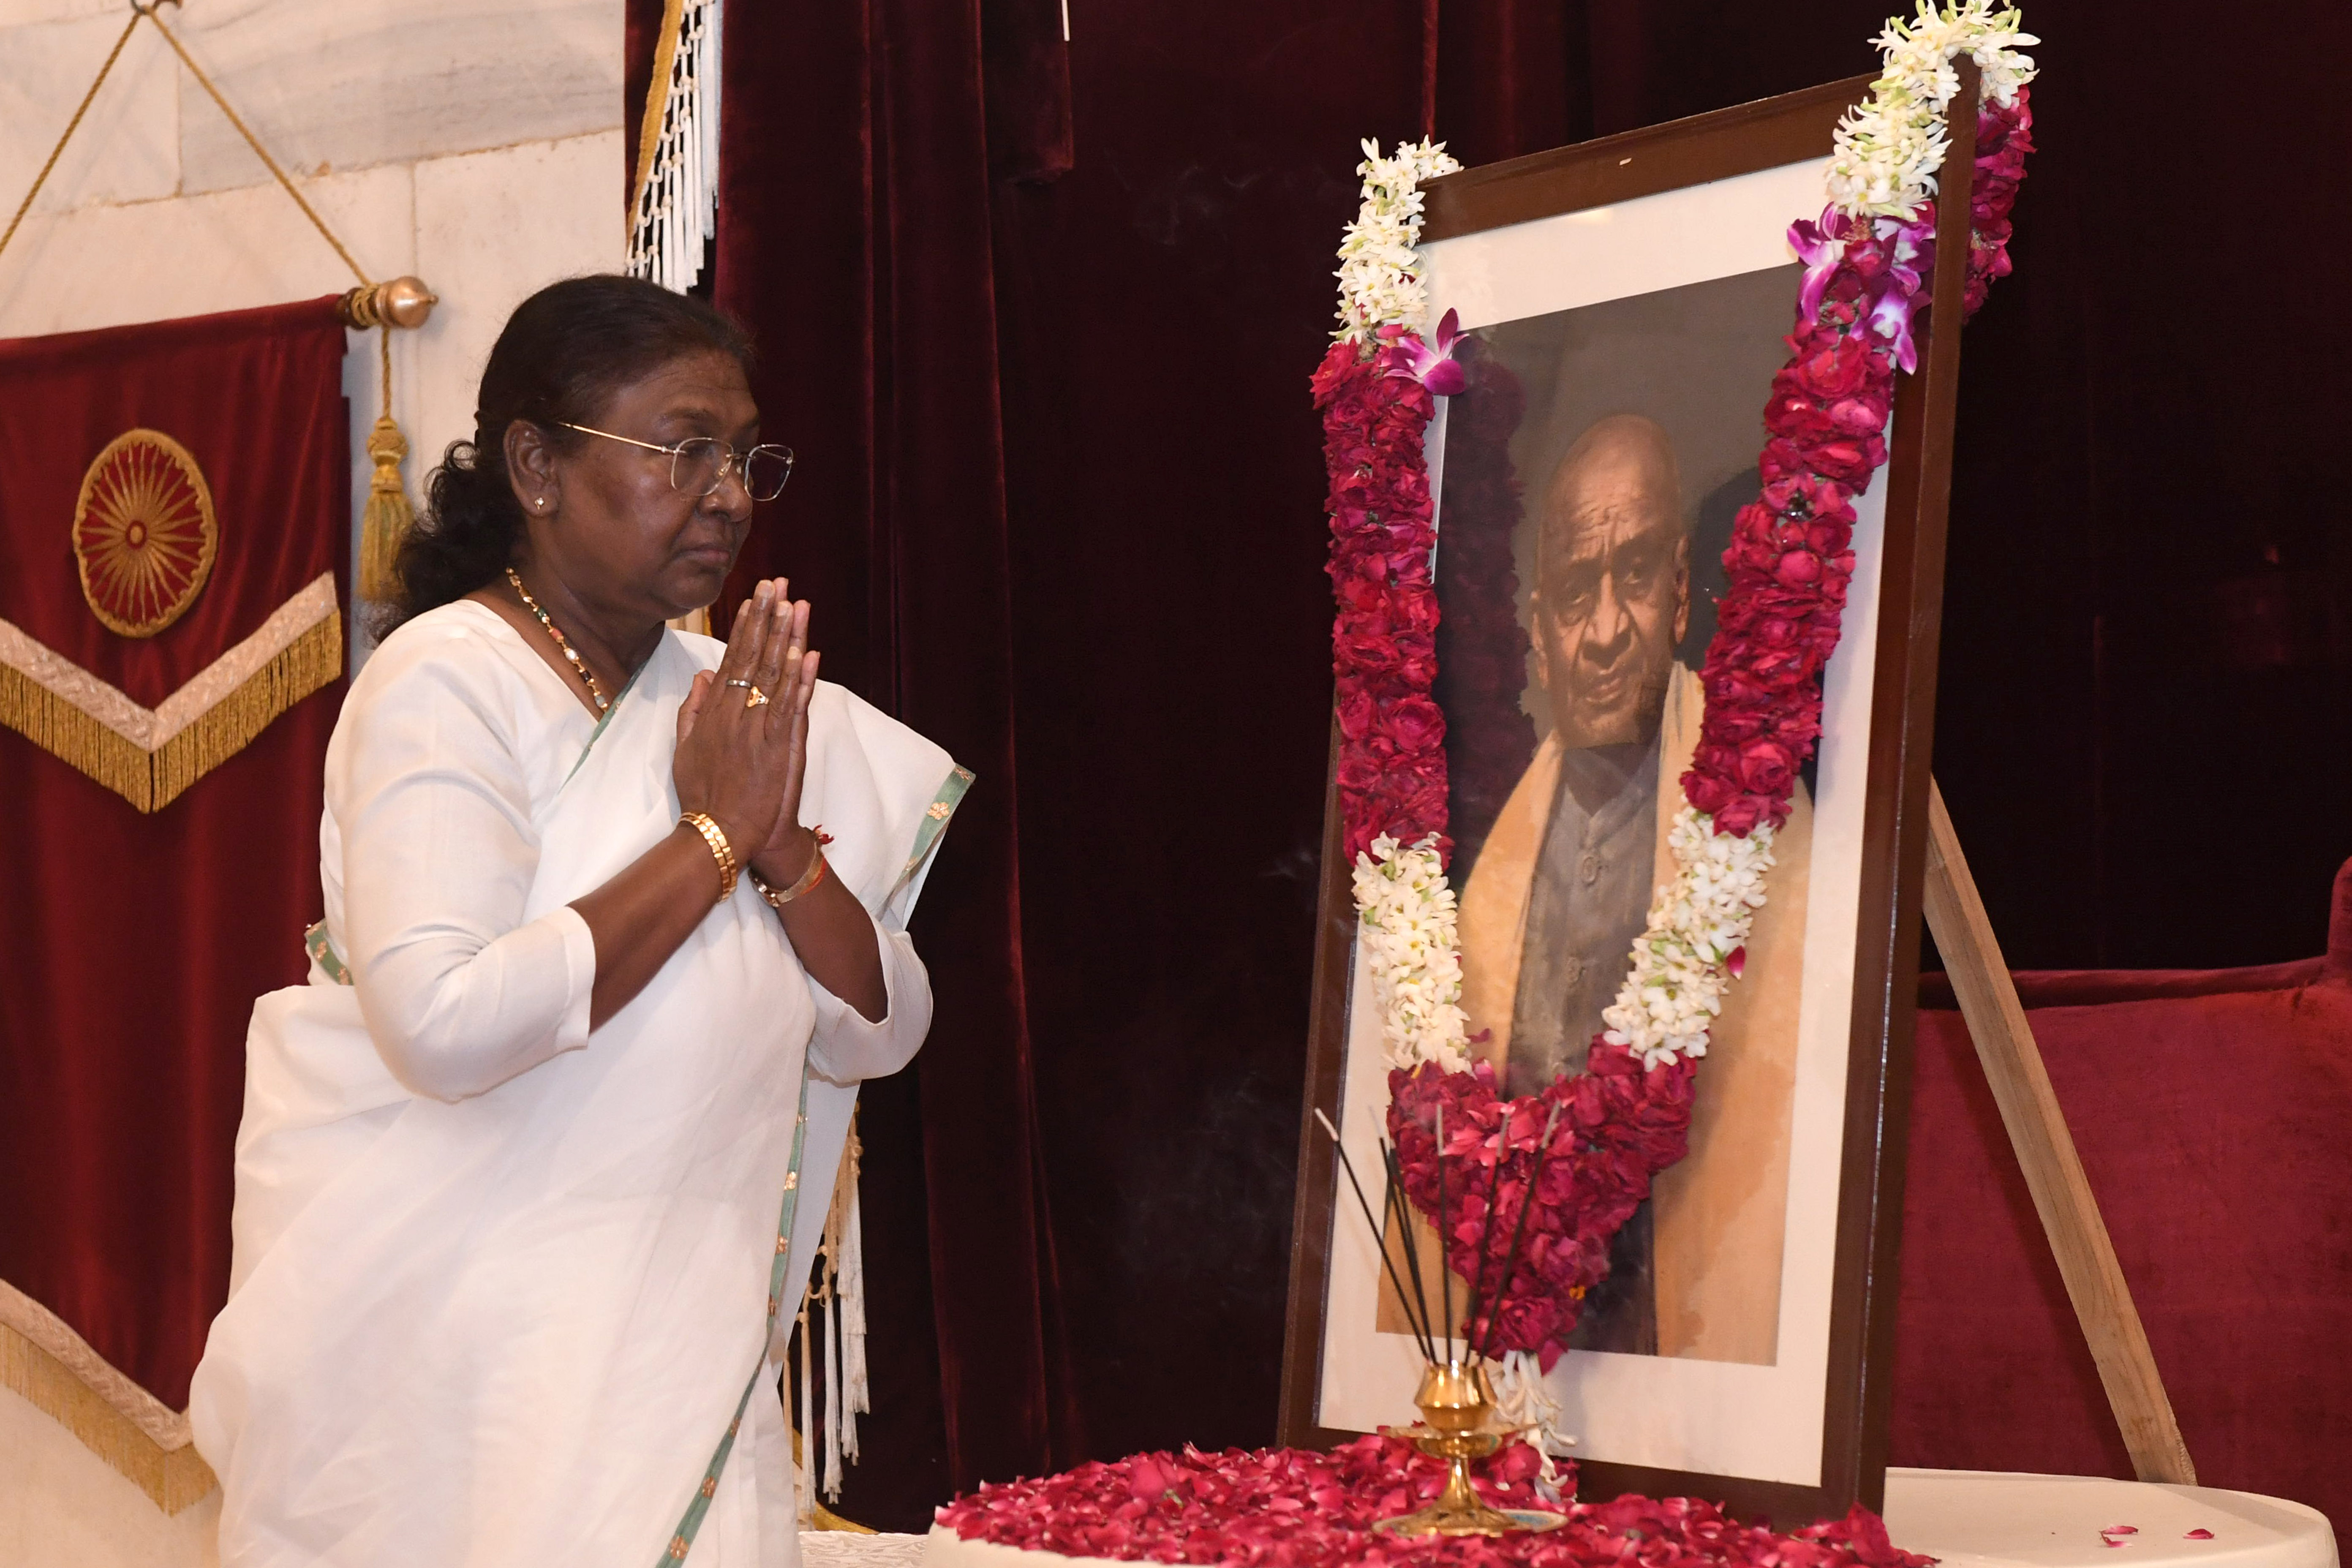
pixel 1749 139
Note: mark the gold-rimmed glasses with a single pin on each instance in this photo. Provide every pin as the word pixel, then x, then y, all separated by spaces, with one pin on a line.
pixel 700 464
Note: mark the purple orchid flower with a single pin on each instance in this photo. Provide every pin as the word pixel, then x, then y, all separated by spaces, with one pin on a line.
pixel 1903 289
pixel 1820 246
pixel 1897 290
pixel 1433 366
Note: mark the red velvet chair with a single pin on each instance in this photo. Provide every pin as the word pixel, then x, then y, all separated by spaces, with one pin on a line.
pixel 2213 1112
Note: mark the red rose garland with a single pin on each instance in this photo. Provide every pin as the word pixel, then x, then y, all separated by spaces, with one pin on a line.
pixel 1788 564
pixel 1790 559
pixel 1384 639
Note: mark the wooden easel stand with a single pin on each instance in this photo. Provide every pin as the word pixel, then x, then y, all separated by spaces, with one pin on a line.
pixel 2045 1150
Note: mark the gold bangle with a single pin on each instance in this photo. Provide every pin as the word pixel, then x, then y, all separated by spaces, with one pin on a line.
pixel 720 851
pixel 779 897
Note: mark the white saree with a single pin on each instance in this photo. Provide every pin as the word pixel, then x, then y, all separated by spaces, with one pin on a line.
pixel 500 1284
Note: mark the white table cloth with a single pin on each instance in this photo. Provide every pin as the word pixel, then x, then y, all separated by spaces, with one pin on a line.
pixel 1991 1519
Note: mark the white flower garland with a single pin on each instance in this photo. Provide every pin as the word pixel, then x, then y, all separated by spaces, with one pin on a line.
pixel 1412 946
pixel 1380 268
pixel 1887 154
pixel 1525 1404
pixel 1673 988
pixel 1889 149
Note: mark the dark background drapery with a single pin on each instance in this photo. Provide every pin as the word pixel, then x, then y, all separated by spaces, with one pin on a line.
pixel 1039 321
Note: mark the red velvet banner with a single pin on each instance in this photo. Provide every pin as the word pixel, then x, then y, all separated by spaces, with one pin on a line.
pixel 174 527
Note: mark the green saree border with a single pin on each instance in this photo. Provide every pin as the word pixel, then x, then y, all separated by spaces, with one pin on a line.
pixel 689 1524
pixel 603 719
pixel 322 954
pixel 934 817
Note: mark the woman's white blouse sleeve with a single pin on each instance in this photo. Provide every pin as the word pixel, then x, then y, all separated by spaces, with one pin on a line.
pixel 847 1048
pixel 439 855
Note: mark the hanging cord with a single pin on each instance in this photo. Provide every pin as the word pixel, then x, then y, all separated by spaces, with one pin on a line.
pixel 251 141
pixel 74 124
pixel 403 302
pixel 149 11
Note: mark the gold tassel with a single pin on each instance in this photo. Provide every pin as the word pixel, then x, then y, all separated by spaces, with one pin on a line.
pixel 386 521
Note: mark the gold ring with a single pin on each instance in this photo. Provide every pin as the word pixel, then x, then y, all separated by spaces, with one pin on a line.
pixel 758 698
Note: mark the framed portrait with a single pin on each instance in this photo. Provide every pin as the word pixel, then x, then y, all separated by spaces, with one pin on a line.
pixel 1624 303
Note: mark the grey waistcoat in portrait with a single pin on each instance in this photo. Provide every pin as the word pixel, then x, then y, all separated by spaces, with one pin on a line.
pixel 1588 900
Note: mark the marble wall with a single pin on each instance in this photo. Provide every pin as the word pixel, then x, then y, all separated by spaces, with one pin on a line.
pixel 60 1503
pixel 477 143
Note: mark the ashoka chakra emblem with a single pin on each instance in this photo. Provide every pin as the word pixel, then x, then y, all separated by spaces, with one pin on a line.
pixel 143 533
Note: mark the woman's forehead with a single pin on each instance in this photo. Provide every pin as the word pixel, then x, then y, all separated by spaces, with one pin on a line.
pixel 708 385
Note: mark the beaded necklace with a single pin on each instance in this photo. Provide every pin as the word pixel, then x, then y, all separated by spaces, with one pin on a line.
pixel 578 666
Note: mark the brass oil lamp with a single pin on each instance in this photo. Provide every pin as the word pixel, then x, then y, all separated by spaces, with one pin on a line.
pixel 1457 1407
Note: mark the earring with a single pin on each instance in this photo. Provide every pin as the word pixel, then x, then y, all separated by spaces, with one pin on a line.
pixel 540 503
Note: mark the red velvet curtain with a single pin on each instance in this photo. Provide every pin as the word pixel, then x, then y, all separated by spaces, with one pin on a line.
pixel 133 945
pixel 856 244
pixel 1060 486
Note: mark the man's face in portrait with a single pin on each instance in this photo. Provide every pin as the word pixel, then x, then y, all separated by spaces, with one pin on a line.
pixel 1612 582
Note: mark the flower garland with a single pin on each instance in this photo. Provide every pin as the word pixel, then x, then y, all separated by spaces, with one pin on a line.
pixel 1868 258
pixel 1380 261
pixel 1413 951
pixel 1289 1508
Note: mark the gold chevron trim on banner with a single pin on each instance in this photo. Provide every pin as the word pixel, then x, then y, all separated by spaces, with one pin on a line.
pixel 148 755
pixel 135 1433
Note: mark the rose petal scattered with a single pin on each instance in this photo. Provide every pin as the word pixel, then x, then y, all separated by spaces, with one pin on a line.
pixel 1286 1508
pixel 2198 1535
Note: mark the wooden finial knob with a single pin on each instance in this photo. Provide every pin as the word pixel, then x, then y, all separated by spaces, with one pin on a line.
pixel 401 302
pixel 407 302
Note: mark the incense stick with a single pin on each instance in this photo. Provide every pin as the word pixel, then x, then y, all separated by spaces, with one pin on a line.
pixel 1405 1226
pixel 1379 1240
pixel 1445 1241
pixel 1394 1210
pixel 1518 1232
pixel 1487 1233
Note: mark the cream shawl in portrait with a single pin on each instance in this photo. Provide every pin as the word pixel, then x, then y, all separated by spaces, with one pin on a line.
pixel 1719 1216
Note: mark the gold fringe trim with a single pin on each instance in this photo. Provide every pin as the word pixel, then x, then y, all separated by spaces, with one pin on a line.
pixel 172 1474
pixel 153 780
pixel 825 1519
pixel 820 1516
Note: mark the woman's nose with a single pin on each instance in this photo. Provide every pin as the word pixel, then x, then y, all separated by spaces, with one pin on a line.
pixel 732 498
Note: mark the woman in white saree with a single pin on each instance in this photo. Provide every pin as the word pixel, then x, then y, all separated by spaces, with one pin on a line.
pixel 587 1009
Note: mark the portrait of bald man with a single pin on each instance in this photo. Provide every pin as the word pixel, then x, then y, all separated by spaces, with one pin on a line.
pixel 1562 885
